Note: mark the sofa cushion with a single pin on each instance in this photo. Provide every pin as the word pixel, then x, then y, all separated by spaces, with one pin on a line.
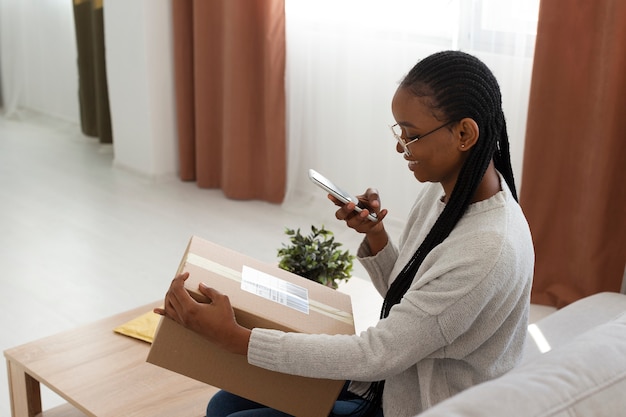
pixel 563 325
pixel 585 377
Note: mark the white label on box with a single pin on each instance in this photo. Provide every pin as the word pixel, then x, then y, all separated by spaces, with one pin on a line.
pixel 275 289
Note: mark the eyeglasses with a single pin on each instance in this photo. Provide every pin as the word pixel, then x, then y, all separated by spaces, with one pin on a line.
pixel 397 133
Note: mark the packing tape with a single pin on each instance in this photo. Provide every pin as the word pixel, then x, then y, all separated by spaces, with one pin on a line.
pixel 234 275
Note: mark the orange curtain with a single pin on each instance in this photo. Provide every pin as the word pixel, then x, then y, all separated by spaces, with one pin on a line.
pixel 573 187
pixel 229 67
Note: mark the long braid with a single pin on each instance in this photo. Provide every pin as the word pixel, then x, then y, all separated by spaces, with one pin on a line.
pixel 502 160
pixel 457 86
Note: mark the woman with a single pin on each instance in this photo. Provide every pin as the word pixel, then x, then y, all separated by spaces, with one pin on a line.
pixel 456 288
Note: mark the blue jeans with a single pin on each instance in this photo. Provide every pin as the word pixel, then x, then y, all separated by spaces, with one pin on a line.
pixel 225 404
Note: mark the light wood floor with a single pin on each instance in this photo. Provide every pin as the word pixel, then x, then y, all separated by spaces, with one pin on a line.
pixel 82 240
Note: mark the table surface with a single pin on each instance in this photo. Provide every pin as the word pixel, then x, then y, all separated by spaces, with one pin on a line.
pixel 100 373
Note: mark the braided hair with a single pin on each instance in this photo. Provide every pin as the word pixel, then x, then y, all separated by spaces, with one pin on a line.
pixel 458 86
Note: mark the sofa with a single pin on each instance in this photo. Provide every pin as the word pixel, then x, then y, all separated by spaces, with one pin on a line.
pixel 574 365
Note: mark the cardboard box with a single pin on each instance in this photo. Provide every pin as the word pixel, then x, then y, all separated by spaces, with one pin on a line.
pixel 265 296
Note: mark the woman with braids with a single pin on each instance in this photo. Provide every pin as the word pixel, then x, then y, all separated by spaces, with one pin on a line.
pixel 456 287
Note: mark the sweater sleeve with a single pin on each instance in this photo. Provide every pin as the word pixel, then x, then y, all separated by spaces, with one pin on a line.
pixel 379 266
pixel 378 353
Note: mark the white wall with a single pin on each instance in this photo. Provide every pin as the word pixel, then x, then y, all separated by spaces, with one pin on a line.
pixel 138 38
pixel 38 47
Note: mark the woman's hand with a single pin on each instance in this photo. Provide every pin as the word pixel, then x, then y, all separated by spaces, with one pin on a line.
pixel 375 231
pixel 214 321
pixel 370 203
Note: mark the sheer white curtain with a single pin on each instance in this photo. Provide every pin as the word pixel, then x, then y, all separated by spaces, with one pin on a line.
pixel 344 61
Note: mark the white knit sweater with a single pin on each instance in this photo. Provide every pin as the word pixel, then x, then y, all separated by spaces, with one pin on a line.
pixel 462 322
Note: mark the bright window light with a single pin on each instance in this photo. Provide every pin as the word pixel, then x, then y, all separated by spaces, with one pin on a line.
pixel 510 16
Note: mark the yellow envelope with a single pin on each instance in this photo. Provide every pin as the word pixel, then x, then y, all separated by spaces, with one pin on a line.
pixel 142 327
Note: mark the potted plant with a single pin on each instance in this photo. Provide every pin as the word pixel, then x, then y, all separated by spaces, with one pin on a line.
pixel 316 256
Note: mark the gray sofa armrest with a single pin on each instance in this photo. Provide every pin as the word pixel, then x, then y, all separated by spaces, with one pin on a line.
pixel 584 377
pixel 565 324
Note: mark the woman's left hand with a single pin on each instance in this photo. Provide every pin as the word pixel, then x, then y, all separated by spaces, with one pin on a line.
pixel 214 321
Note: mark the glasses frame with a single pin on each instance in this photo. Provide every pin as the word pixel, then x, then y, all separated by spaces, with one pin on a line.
pixel 405 145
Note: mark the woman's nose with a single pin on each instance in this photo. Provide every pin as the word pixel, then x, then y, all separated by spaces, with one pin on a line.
pixel 401 149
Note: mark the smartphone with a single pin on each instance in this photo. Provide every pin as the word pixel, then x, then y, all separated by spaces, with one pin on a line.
pixel 340 194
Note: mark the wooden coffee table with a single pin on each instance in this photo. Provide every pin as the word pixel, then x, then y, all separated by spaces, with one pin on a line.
pixel 100 373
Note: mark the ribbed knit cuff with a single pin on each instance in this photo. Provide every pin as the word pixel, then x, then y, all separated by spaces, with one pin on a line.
pixel 262 349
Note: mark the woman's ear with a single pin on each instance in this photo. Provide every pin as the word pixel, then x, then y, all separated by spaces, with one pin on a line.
pixel 468 133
